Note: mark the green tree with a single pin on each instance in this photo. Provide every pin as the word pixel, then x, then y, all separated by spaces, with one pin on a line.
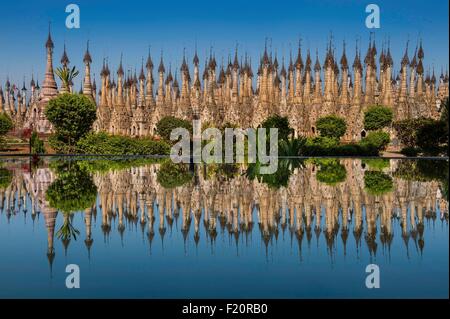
pixel 168 123
pixel 377 183
pixel 377 117
pixel 331 126
pixel 281 123
pixel 6 124
pixel 72 116
pixel 407 130
pixel 431 135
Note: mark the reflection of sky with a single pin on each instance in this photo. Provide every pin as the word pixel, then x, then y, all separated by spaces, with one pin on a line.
pixel 130 26
pixel 130 268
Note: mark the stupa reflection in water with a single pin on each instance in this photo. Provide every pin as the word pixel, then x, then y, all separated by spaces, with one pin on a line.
pixel 331 198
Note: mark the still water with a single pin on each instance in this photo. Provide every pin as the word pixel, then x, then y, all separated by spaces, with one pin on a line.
pixel 145 228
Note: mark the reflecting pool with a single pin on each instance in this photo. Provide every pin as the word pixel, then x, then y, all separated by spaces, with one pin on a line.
pixel 146 228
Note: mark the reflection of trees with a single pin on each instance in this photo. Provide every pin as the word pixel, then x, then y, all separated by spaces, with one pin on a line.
pixel 72 191
pixel 424 171
pixel 171 175
pixel 331 172
pixel 5 178
pixel 278 179
pixel 377 183
pixel 231 203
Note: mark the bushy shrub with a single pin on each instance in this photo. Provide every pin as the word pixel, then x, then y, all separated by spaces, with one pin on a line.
pixel 37 145
pixel 325 146
pixel 6 124
pixel 5 178
pixel 407 130
pixel 103 143
pixel 331 126
pixel 72 116
pixel 378 140
pixel 281 123
pixel 377 183
pixel 168 123
pixel 431 135
pixel 377 117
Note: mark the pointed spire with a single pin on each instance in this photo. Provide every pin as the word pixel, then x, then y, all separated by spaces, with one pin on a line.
pixel 308 61
pixel 317 64
pixel 344 62
pixel 299 60
pixel 184 67
pixel 236 61
pixel 283 70
pixel 195 60
pixel 161 68
pixel 405 60
pixel 120 70
pixel 49 43
pixel 420 53
pixel 64 59
pixel 87 56
pixel 141 75
pixel 149 64
pixel 357 62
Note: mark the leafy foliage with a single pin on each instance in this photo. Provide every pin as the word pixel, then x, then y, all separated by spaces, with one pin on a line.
pixel 172 175
pixel 431 135
pixel 331 172
pixel 326 146
pixel 72 116
pixel 377 117
pixel 377 164
pixel 66 75
pixel 37 145
pixel 6 124
pixel 103 143
pixel 425 135
pixel 5 178
pixel 281 123
pixel 377 183
pixel 67 230
pixel 278 179
pixel 73 190
pixel 292 147
pixel 331 126
pixel 377 139
pixel 168 123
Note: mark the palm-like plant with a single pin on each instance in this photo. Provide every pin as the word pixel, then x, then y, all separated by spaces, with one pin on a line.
pixel 67 230
pixel 66 75
pixel 292 147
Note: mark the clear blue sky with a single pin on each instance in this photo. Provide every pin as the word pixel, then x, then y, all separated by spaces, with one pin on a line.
pixel 131 26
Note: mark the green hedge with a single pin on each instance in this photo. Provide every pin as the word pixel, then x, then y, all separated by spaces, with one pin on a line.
pixel 326 146
pixel 103 143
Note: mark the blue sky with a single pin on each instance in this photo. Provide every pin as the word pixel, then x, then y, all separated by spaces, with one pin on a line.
pixel 131 26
